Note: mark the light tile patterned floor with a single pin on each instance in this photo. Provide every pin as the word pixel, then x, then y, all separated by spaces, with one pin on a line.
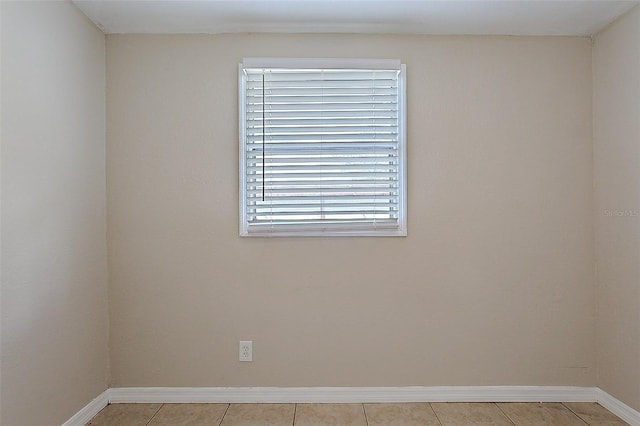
pixel 408 414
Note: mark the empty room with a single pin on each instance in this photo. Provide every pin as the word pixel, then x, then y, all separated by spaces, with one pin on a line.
pixel 320 212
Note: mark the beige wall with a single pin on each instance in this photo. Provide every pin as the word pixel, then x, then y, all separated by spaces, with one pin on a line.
pixel 616 95
pixel 54 289
pixel 493 285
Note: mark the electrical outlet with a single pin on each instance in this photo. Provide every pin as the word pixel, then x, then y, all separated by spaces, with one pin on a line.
pixel 246 350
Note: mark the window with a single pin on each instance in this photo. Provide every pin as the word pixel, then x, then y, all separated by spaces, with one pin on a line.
pixel 322 147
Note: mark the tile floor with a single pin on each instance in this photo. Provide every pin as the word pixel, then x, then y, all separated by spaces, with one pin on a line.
pixel 406 414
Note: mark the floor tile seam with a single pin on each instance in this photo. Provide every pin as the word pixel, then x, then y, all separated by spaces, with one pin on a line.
pixel 435 414
pixel 154 414
pixel 574 413
pixel 364 411
pixel 505 414
pixel 225 413
pixel 295 409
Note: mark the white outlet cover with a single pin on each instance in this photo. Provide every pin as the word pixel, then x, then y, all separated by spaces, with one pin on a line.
pixel 246 350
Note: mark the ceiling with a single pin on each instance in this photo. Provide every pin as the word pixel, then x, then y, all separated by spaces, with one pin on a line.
pixel 478 17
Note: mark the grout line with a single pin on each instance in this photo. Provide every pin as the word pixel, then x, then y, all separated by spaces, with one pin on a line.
pixel 574 413
pixel 366 419
pixel 295 409
pixel 225 413
pixel 505 414
pixel 154 414
pixel 436 414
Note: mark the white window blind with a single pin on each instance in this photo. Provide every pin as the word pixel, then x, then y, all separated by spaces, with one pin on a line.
pixel 322 150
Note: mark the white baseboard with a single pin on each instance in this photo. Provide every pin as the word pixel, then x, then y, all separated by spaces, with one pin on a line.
pixel 357 394
pixel 618 408
pixel 89 411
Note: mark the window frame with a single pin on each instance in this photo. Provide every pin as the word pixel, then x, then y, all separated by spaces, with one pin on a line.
pixel 332 230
